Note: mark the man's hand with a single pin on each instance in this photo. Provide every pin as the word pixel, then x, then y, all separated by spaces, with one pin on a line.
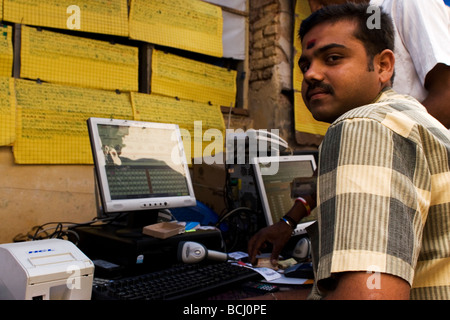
pixel 437 102
pixel 278 234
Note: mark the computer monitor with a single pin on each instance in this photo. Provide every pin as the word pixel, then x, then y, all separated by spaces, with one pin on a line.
pixel 139 166
pixel 274 176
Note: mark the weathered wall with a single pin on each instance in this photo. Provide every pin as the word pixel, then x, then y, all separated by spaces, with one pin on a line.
pixel 32 195
pixel 270 63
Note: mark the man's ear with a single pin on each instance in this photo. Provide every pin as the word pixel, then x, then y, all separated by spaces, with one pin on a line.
pixel 386 63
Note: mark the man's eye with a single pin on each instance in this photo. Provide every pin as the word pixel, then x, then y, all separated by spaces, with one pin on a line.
pixel 333 58
pixel 304 67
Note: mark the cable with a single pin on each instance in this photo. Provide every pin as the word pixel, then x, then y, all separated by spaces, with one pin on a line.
pixel 59 230
pixel 231 213
pixel 237 227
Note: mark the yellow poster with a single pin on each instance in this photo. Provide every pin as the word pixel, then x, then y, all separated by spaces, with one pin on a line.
pixel 78 61
pixel 188 79
pixel 202 124
pixel 7 111
pixel 191 25
pixel 304 121
pixel 51 121
pixel 105 17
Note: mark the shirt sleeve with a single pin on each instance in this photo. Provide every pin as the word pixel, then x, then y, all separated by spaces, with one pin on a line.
pixel 367 201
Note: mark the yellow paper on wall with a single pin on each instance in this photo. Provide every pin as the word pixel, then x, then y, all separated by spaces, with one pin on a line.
pixel 7 111
pixel 65 59
pixel 191 25
pixel 51 121
pixel 202 124
pixel 105 17
pixel 6 51
pixel 189 79
pixel 304 121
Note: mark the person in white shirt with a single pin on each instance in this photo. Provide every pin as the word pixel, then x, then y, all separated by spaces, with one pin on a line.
pixel 422 51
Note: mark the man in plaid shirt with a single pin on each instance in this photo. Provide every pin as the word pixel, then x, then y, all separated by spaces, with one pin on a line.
pixel 383 186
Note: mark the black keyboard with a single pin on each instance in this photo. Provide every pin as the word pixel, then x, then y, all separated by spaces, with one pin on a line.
pixel 177 282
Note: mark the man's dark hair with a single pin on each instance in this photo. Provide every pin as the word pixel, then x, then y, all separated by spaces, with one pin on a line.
pixel 375 39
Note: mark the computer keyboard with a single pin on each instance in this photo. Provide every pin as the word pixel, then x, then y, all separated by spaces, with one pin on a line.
pixel 177 282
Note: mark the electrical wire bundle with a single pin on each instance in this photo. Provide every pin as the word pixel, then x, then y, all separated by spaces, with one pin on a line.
pixel 59 230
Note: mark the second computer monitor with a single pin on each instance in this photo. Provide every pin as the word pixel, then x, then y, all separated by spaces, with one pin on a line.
pixel 274 177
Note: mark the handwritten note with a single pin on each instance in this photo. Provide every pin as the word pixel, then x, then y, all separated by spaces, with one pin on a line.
pixel 51 121
pixel 195 27
pixel 104 16
pixel 304 121
pixel 78 61
pixel 6 51
pixel 184 78
pixel 193 117
pixel 7 111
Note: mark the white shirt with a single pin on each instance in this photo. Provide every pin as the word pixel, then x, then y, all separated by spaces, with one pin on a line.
pixel 422 40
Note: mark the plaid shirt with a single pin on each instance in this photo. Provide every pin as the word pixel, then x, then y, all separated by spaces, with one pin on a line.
pixel 384 196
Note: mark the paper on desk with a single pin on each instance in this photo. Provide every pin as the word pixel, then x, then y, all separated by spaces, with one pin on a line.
pixel 267 273
pixel 282 279
pixel 238 255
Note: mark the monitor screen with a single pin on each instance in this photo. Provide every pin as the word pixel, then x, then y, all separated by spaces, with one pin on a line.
pixel 274 176
pixel 139 165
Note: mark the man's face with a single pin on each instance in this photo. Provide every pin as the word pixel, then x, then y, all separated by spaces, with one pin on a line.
pixel 336 76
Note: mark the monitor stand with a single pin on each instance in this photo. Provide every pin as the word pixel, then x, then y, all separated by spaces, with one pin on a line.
pixel 130 224
pixel 127 224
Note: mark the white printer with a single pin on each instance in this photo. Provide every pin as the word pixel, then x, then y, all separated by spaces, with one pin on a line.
pixel 52 269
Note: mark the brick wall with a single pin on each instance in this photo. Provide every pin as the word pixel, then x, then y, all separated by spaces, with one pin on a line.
pixel 270 62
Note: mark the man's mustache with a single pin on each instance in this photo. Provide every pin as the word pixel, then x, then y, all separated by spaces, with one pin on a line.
pixel 318 86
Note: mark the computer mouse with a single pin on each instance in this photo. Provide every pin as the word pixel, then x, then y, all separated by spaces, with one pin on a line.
pixel 302 249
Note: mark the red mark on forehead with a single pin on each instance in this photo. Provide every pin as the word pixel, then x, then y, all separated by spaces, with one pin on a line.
pixel 310 43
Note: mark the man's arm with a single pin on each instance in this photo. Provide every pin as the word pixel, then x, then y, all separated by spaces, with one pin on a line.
pixel 353 286
pixel 356 191
pixel 437 102
pixel 368 286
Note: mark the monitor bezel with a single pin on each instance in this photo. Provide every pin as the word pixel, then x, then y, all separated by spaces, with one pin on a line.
pixel 137 204
pixel 259 177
